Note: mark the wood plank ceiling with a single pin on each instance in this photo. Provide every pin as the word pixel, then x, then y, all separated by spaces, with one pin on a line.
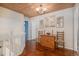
pixel 29 9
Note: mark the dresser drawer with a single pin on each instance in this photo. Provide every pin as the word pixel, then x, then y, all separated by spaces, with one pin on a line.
pixel 47 41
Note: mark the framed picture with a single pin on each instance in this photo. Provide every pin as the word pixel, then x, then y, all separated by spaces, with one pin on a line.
pixel 50 21
pixel 60 22
pixel 41 24
pixel 46 22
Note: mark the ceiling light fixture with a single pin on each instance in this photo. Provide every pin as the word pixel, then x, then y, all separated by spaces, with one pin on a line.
pixel 41 9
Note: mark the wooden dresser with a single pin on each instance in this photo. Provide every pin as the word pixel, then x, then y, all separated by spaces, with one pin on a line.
pixel 47 41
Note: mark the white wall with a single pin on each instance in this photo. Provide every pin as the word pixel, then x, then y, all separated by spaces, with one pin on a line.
pixel 68 25
pixel 76 27
pixel 12 27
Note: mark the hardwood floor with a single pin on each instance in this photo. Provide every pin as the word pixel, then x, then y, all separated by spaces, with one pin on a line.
pixel 35 49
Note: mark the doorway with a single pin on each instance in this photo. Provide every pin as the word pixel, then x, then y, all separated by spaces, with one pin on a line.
pixel 26 30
